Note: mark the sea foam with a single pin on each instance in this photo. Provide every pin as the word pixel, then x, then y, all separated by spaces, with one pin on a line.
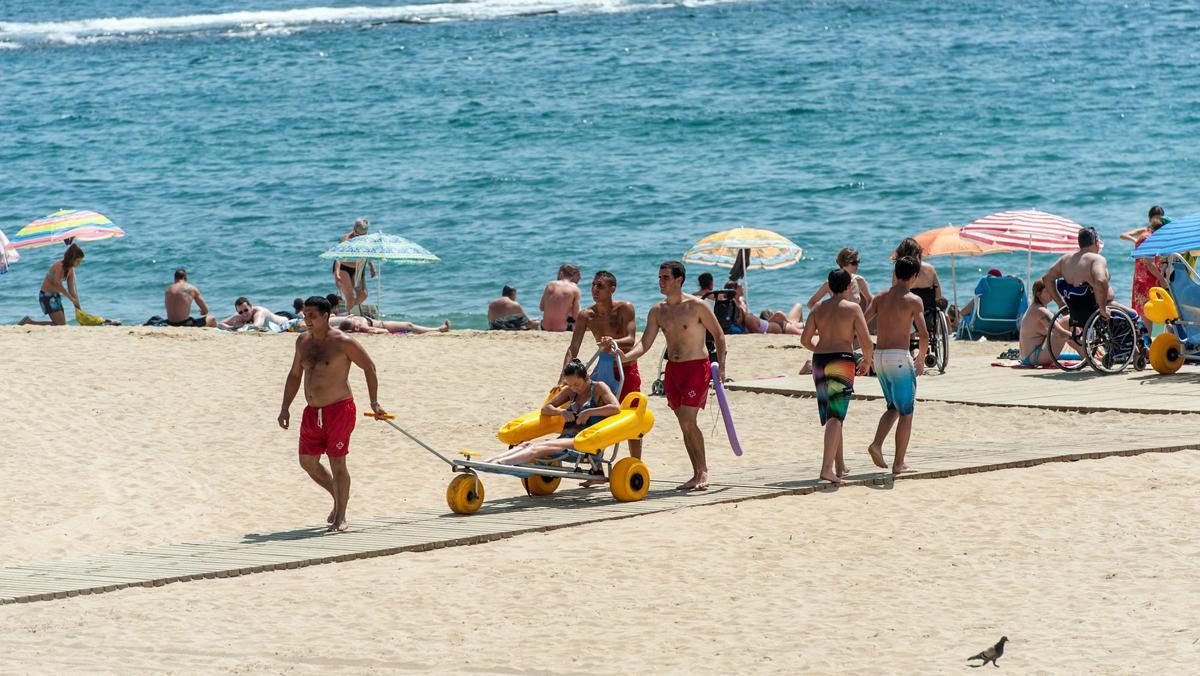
pixel 293 20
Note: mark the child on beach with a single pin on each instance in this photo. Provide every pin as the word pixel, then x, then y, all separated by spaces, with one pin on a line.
pixel 830 333
pixel 896 311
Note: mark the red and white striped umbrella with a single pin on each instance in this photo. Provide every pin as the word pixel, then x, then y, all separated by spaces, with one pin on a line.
pixel 1030 230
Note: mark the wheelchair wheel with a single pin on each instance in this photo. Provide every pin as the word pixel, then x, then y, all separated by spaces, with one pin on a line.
pixel 940 343
pixel 1065 315
pixel 464 495
pixel 629 480
pixel 1110 345
pixel 1166 353
pixel 542 485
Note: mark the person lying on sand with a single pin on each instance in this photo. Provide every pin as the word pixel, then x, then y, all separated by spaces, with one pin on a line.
pixel 590 402
pixel 360 324
pixel 255 316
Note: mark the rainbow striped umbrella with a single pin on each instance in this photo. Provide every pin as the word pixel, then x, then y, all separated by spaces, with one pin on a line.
pixel 768 250
pixel 78 224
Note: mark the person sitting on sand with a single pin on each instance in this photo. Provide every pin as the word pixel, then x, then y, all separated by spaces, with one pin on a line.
pixel 360 324
pixel 860 292
pixel 353 290
pixel 178 299
pixel 1035 325
pixel 560 300
pixel 830 333
pixel 254 316
pixel 59 280
pixel 506 314
pixel 590 402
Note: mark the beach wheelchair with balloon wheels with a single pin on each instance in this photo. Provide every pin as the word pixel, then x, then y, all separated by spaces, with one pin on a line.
pixel 1179 311
pixel 592 458
pixel 1106 345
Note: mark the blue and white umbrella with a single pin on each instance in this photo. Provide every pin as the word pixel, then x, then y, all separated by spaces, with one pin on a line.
pixel 1179 236
pixel 383 248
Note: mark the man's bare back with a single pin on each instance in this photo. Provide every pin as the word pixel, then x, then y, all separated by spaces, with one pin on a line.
pixel 326 367
pixel 504 307
pixel 833 320
pixel 560 301
pixel 178 301
pixel 896 311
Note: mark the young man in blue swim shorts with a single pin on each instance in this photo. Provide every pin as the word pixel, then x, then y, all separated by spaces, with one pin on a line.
pixel 896 311
pixel 830 333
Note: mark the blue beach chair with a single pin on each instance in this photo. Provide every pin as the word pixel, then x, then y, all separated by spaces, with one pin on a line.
pixel 1000 302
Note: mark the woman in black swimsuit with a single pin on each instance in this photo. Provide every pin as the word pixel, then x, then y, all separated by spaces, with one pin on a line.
pixel 590 402
pixel 344 271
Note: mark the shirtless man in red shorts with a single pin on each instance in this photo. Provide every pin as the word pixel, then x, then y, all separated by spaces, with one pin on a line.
pixel 615 319
pixel 683 318
pixel 323 357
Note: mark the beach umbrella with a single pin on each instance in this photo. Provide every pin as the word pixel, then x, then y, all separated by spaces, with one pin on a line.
pixel 1029 230
pixel 1179 236
pixel 757 249
pixel 382 248
pixel 66 224
pixel 946 241
pixel 8 256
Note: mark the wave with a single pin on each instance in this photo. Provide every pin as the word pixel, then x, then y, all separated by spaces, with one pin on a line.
pixel 283 22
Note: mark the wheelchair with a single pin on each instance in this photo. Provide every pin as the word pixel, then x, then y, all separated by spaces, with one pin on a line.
pixel 939 340
pixel 1106 345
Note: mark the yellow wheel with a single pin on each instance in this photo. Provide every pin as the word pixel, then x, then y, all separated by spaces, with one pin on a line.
pixel 464 495
pixel 1166 353
pixel 630 479
pixel 542 485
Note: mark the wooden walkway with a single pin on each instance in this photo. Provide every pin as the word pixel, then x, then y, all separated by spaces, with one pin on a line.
pixel 433 529
pixel 974 381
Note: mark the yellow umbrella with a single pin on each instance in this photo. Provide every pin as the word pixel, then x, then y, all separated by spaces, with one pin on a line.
pixel 745 248
pixel 945 241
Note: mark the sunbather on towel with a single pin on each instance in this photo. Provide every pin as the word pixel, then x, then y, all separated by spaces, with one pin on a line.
pixel 1035 325
pixel 590 402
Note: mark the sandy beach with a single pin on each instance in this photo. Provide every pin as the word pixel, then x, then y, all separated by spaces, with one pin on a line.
pixel 170 436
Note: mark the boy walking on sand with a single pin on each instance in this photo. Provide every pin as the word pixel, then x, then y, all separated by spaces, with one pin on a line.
pixel 830 334
pixel 896 311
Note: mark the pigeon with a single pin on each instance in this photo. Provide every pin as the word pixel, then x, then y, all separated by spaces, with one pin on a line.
pixel 991 654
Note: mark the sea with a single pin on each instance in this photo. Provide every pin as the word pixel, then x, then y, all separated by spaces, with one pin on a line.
pixel 241 139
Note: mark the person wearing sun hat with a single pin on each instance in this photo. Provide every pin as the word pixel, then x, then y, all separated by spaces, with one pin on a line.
pixel 350 281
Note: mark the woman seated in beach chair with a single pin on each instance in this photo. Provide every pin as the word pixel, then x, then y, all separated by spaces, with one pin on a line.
pixel 590 401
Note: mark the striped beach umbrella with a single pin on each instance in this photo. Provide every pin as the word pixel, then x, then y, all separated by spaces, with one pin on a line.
pixel 383 248
pixel 1179 236
pixel 1029 230
pixel 77 224
pixel 767 250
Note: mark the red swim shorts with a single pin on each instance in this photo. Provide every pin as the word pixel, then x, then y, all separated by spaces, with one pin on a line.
pixel 327 429
pixel 686 383
pixel 633 380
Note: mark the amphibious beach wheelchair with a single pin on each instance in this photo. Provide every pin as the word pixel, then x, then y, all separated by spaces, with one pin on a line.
pixel 591 458
pixel 1107 345
pixel 1179 311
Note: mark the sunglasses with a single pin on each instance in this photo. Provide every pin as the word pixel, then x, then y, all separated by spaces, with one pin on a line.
pixel 244 311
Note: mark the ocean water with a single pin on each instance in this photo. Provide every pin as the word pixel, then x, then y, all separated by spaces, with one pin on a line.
pixel 241 139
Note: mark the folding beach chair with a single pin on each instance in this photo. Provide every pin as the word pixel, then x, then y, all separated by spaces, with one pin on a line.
pixel 1000 302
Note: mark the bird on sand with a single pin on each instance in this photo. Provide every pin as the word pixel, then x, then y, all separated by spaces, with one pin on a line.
pixel 991 654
